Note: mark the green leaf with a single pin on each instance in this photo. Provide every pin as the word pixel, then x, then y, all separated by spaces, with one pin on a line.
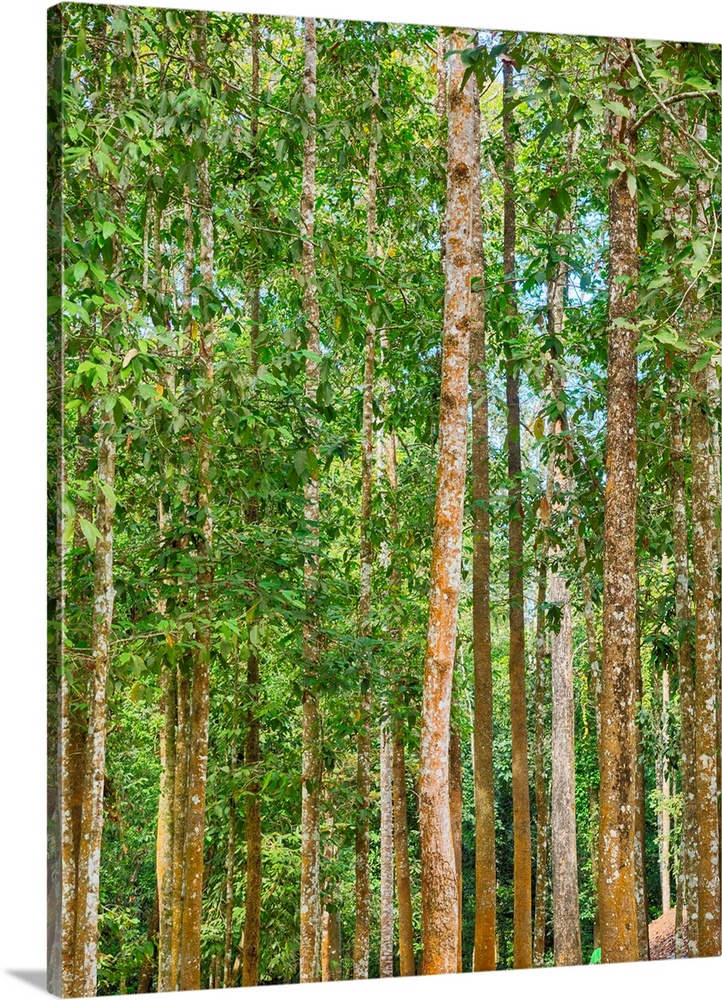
pixel 108 229
pixel 108 493
pixel 631 183
pixel 618 108
pixel 92 535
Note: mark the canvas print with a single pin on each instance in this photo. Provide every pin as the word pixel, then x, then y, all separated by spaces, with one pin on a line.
pixel 384 499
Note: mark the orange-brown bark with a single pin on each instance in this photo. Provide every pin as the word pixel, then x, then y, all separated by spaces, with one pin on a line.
pixel 617 741
pixel 439 889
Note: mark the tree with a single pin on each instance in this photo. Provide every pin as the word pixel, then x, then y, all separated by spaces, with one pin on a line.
pixel 617 744
pixel 439 879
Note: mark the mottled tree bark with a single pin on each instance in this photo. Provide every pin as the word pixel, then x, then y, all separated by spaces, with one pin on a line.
pixel 456 808
pixel 540 782
pixel 704 542
pixel 91 827
pixel 517 680
pixel 687 876
pixel 366 557
pixel 565 879
pixel 617 743
pixel 311 754
pixel 438 877
pixel 401 853
pixel 485 871
pixel 190 944
pixel 166 818
pixel 386 947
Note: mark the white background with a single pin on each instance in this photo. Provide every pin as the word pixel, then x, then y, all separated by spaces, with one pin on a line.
pixel 22 483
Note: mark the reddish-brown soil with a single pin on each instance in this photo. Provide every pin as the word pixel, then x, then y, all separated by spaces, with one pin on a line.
pixel 661 936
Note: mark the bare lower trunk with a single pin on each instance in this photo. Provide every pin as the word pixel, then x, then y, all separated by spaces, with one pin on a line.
pixel 704 549
pixel 401 852
pixel 456 808
pixel 517 680
pixel 310 736
pixel 617 743
pixel 166 818
pixel 91 828
pixel 439 887
pixel 687 875
pixel 386 955
pixel 540 782
pixel 252 924
pixel 565 890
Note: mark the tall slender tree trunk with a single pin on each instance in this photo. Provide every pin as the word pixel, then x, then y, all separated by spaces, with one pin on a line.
pixel 565 878
pixel 386 947
pixel 311 753
pixel 517 679
pixel 485 870
pixel 401 853
pixel 704 540
pixel 393 797
pixel 687 876
pixel 456 804
pixel 541 695
pixel 91 827
pixel 704 484
pixel 662 782
pixel 166 819
pixel 231 841
pixel 617 743
pixel 363 744
pixel 439 891
pixel 190 946
pixel 640 826
pixel 252 923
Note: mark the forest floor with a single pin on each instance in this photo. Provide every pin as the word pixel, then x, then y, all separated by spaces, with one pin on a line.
pixel 661 936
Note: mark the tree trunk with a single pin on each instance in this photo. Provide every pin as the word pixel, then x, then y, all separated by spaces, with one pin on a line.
pixel 704 539
pixel 231 841
pixel 180 799
pixel 386 957
pixel 617 744
pixel 456 809
pixel 565 889
pixel 662 780
pixel 363 775
pixel 687 876
pixel 401 852
pixel 517 680
pixel 540 782
pixel 485 870
pixel 311 755
pixel 640 831
pixel 565 879
pixel 91 827
pixel 439 891
pixel 190 946
pixel 166 817
pixel 252 924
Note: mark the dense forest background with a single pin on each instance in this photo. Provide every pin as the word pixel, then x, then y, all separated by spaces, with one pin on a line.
pixel 259 244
